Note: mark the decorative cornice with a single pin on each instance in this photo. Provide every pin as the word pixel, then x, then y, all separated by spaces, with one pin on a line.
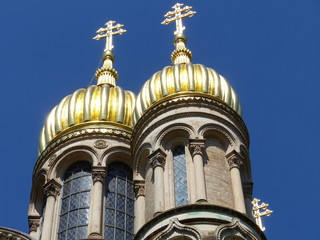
pixel 98 174
pixel 34 222
pixel 139 188
pixel 157 158
pixel 196 146
pixel 52 188
pixel 81 134
pixel 141 130
pixel 234 159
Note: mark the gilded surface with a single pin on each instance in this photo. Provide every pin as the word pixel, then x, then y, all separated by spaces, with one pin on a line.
pixel 184 78
pixel 101 104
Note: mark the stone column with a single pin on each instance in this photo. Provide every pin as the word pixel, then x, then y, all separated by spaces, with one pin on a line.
pixel 51 190
pixel 157 160
pixel 196 148
pixel 235 161
pixel 139 205
pixel 34 222
pixel 95 222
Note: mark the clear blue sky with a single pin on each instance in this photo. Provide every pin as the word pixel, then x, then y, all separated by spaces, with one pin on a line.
pixel 268 50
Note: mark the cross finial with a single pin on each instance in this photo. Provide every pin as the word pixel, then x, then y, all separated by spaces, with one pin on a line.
pixel 108 32
pixel 257 214
pixel 177 16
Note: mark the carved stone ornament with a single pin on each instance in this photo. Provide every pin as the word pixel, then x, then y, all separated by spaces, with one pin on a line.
pixel 139 190
pixel 234 230
pixel 52 188
pixel 100 144
pixel 177 230
pixel 234 160
pixel 157 158
pixel 98 176
pixel 52 159
pixel 11 234
pixel 34 223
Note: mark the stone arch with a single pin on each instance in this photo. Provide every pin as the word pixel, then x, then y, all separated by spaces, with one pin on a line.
pixel 175 230
pixel 216 131
pixel 174 131
pixel 117 154
pixel 246 168
pixel 141 160
pixel 69 157
pixel 37 194
pixel 234 230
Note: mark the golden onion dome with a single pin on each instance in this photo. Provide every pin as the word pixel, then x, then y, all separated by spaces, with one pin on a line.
pixel 184 78
pixel 95 105
pixel 104 105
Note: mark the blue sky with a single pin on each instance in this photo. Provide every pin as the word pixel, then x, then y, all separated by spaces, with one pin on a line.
pixel 268 50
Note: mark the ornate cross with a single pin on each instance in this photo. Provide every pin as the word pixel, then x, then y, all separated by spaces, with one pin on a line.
pixel 257 214
pixel 177 16
pixel 108 32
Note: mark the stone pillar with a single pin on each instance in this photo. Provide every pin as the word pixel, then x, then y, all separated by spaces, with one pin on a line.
pixel 95 222
pixel 196 148
pixel 158 160
pixel 139 205
pixel 235 161
pixel 34 222
pixel 51 190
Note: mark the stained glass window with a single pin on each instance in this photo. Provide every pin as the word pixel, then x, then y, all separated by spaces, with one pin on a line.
pixel 180 176
pixel 119 215
pixel 75 202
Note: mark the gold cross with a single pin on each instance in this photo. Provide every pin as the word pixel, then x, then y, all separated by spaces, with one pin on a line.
pixel 177 15
pixel 257 214
pixel 108 32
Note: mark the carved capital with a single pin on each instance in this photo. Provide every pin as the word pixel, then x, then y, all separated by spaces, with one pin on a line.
pixel 52 188
pixel 98 174
pixel 139 189
pixel 157 158
pixel 196 147
pixel 34 222
pixel 235 160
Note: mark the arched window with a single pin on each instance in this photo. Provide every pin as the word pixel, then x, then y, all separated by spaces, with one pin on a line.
pixel 75 203
pixel 119 215
pixel 180 176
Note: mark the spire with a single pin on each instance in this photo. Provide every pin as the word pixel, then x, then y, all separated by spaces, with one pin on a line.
pixel 107 74
pixel 181 54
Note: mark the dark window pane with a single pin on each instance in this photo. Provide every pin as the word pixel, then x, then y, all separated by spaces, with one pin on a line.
pixel 65 205
pixel 71 234
pixel 120 219
pixel 119 203
pixel 110 217
pixel 119 234
pixel 82 232
pixel 75 202
pixel 110 202
pixel 109 233
pixel 180 176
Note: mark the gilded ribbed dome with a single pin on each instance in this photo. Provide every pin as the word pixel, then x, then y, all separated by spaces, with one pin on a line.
pixel 185 78
pixel 95 105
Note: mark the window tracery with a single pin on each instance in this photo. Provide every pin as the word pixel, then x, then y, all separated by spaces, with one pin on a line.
pixel 180 176
pixel 119 206
pixel 75 202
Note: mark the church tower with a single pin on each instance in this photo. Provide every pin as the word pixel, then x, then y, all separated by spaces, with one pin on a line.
pixel 170 163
